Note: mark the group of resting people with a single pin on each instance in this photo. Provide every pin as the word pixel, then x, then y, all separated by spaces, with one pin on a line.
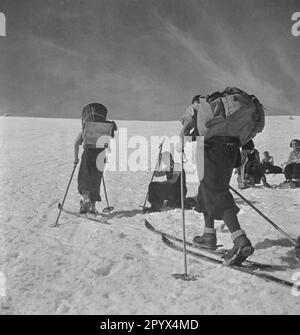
pixel 222 155
pixel 166 193
pixel 253 171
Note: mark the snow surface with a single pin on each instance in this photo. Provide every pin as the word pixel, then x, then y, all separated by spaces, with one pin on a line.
pixel 83 267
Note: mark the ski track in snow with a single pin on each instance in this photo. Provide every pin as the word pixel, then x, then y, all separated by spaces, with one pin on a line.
pixel 83 267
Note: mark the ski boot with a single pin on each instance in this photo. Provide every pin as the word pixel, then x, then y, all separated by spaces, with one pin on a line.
pixel 241 250
pixel 85 204
pixel 93 209
pixel 207 241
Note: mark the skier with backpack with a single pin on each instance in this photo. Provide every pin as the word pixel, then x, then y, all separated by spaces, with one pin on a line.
pixel 227 121
pixel 94 137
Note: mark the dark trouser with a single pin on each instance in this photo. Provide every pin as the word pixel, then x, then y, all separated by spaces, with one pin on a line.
pixel 221 156
pixel 271 169
pixel 275 169
pixel 89 177
pixel 292 170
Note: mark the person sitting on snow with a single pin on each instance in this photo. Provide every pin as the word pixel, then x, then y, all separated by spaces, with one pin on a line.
pixel 267 164
pixel 251 171
pixel 292 166
pixel 166 192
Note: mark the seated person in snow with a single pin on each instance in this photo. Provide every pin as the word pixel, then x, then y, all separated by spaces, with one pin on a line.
pixel 250 172
pixel 166 192
pixel 268 166
pixel 292 166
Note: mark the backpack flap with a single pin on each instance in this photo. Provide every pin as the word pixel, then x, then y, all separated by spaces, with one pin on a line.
pixel 235 114
pixel 97 134
pixel 217 110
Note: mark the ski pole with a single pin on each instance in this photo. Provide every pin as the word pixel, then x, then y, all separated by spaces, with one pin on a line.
pixel 159 153
pixel 62 204
pixel 107 209
pixel 182 211
pixel 185 275
pixel 295 243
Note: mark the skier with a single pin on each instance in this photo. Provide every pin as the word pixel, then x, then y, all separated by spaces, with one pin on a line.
pixel 221 156
pixel 89 175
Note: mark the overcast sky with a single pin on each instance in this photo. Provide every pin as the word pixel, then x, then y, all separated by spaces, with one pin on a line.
pixel 145 59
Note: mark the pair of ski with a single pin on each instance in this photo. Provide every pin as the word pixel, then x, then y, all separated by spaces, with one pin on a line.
pixel 249 267
pixel 87 216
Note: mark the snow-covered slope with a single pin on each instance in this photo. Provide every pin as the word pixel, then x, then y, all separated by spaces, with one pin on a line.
pixel 83 267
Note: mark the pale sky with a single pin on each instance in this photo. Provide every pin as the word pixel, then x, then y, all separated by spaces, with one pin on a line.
pixel 145 59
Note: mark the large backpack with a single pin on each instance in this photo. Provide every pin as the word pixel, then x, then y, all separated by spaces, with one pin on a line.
pixel 96 131
pixel 233 113
pixel 97 134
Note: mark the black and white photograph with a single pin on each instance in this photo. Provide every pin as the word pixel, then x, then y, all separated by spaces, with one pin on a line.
pixel 150 159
